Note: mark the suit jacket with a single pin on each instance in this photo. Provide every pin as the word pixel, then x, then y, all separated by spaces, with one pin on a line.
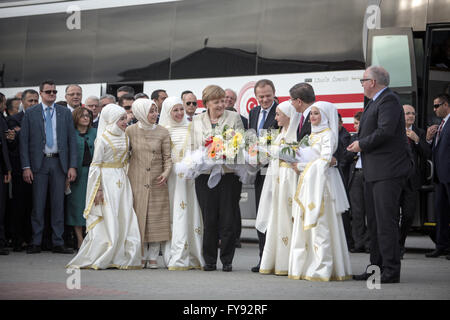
pixel 306 129
pixel 32 138
pixel 270 122
pixel 383 140
pixel 350 158
pixel 441 155
pixel 5 164
pixel 244 122
pixel 13 146
pixel 420 153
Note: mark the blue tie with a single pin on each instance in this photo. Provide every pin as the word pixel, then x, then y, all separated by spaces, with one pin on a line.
pixel 48 128
pixel 261 124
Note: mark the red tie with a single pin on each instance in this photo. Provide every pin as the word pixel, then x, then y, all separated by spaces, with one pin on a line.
pixel 439 131
pixel 301 123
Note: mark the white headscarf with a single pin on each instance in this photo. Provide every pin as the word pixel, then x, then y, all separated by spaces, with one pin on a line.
pixel 288 109
pixel 141 108
pixel 166 119
pixel 111 113
pixel 329 115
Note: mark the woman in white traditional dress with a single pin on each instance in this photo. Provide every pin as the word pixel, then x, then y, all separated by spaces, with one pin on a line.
pixel 113 239
pixel 319 249
pixel 186 216
pixel 275 208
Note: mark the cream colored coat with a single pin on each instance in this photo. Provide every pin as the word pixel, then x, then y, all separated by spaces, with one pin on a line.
pixel 150 158
pixel 201 127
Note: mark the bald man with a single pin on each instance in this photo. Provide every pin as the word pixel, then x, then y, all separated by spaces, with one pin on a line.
pixel 421 151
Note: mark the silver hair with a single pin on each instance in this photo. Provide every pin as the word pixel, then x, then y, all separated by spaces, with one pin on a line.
pixel 108 96
pixel 379 74
pixel 92 98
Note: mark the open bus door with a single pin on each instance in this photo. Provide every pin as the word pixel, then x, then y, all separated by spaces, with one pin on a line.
pixel 393 48
pixel 436 81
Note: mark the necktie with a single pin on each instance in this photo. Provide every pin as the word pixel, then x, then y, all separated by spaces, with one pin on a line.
pixel 48 128
pixel 261 124
pixel 439 131
pixel 301 123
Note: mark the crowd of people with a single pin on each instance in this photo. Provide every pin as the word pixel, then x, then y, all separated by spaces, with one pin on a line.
pixel 98 179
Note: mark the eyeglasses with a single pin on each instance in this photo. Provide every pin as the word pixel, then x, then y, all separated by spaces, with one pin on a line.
pixel 50 91
pixel 86 115
pixel 293 99
pixel 438 105
pixel 362 80
pixel 194 103
pixel 127 107
pixel 92 105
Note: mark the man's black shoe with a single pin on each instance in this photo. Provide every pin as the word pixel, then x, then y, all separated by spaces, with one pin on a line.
pixel 447 257
pixel 227 267
pixel 385 279
pixel 361 277
pixel 61 249
pixel 209 267
pixel 358 250
pixel 435 253
pixel 256 269
pixel 34 249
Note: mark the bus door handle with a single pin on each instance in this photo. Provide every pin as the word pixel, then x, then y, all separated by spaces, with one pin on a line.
pixel 431 170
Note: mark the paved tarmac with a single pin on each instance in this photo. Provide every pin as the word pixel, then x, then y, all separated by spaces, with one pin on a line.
pixel 43 276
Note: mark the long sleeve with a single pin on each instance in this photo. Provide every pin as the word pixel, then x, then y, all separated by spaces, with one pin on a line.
pixel 166 153
pixel 94 177
pixel 24 142
pixel 72 139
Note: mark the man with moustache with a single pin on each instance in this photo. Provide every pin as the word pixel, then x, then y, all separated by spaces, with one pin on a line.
pixel 190 104
pixel 262 117
pixel 73 96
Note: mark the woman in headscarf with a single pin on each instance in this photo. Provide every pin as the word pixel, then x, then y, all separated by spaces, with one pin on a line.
pixel 319 249
pixel 149 169
pixel 113 239
pixel 186 216
pixel 275 208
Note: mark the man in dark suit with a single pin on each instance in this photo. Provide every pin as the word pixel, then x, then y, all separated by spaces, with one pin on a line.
pixel 355 187
pixel 262 117
pixel 5 174
pixel 302 98
pixel 21 191
pixel 420 152
pixel 439 136
pixel 48 155
pixel 386 164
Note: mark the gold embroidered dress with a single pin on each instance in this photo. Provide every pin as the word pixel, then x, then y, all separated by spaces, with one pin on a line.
pixel 319 248
pixel 275 209
pixel 186 216
pixel 113 239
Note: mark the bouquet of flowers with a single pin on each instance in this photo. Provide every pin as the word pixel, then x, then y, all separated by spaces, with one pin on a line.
pixel 224 146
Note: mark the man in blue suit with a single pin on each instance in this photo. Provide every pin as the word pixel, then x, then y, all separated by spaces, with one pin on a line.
pixel 439 136
pixel 48 156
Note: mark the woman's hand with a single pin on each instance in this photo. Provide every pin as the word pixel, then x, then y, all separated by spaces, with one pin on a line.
pixel 161 180
pixel 99 198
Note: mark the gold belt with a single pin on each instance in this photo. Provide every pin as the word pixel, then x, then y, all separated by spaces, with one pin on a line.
pixel 109 164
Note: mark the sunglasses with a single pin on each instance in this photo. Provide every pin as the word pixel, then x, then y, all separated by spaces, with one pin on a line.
pixel 194 103
pixel 436 106
pixel 50 91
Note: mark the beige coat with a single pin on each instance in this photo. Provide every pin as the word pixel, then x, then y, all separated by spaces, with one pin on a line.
pixel 201 126
pixel 150 158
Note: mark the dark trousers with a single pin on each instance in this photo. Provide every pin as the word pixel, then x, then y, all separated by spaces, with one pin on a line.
pixel 259 183
pixel 357 204
pixel 23 206
pixel 383 216
pixel 408 201
pixel 218 207
pixel 238 217
pixel 50 176
pixel 3 188
pixel 442 207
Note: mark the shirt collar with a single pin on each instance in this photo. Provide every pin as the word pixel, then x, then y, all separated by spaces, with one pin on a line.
pixel 44 106
pixel 378 94
pixel 268 109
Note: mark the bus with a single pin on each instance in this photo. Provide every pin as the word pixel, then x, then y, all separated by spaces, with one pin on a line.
pixel 187 45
